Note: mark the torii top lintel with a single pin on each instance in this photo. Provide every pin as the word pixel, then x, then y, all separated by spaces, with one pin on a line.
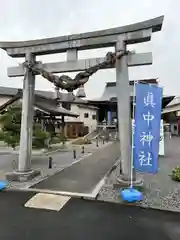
pixel 83 41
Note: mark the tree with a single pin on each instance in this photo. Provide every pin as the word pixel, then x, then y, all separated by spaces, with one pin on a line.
pixel 10 121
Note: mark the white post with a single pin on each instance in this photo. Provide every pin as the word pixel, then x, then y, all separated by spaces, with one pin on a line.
pixel 124 117
pixel 27 120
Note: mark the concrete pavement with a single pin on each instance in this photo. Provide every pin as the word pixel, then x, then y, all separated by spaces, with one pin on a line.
pixel 9 161
pixel 61 160
pixel 83 176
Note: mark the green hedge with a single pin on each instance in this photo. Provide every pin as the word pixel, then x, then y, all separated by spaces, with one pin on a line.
pixel 82 141
pixel 40 139
pixel 176 174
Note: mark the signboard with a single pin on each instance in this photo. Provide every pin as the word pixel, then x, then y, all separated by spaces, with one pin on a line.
pixel 109 117
pixel 147 127
pixel 161 142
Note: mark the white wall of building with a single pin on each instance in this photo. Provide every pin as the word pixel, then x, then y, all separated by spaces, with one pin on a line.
pixel 87 115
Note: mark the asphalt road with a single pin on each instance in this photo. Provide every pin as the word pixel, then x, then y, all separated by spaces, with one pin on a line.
pixel 83 219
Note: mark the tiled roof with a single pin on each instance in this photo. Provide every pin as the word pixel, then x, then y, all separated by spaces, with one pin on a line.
pixel 175 101
pixel 50 106
pixel 8 91
pixel 110 91
pixel 47 105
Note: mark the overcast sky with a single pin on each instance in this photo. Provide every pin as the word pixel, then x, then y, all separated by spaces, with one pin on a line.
pixel 26 20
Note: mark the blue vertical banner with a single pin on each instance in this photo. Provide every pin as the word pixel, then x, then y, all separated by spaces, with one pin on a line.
pixel 147 127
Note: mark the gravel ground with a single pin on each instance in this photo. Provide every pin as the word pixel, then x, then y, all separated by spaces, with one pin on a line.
pixel 159 191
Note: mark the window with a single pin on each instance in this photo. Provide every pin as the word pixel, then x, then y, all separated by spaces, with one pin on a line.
pixel 175 127
pixel 94 116
pixel 86 115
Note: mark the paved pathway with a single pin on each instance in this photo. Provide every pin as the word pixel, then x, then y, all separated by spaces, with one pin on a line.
pixel 61 159
pixel 83 176
pixel 82 219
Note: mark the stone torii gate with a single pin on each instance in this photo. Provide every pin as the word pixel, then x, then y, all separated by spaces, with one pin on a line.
pixel 118 37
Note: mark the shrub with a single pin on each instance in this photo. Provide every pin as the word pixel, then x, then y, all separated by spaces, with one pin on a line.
pixel 11 139
pixel 58 139
pixel 87 141
pixel 40 139
pixel 55 140
pixel 10 121
pixel 82 141
pixel 1 135
pixel 176 174
pixel 61 137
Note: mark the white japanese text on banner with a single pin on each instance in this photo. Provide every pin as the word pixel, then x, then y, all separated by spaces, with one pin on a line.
pixel 147 127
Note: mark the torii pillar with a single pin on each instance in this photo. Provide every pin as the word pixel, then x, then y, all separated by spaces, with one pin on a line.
pixel 119 38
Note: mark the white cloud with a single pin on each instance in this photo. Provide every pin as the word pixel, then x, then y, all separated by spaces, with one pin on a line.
pixel 23 20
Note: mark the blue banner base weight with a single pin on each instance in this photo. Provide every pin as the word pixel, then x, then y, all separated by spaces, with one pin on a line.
pixel 131 195
pixel 3 184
